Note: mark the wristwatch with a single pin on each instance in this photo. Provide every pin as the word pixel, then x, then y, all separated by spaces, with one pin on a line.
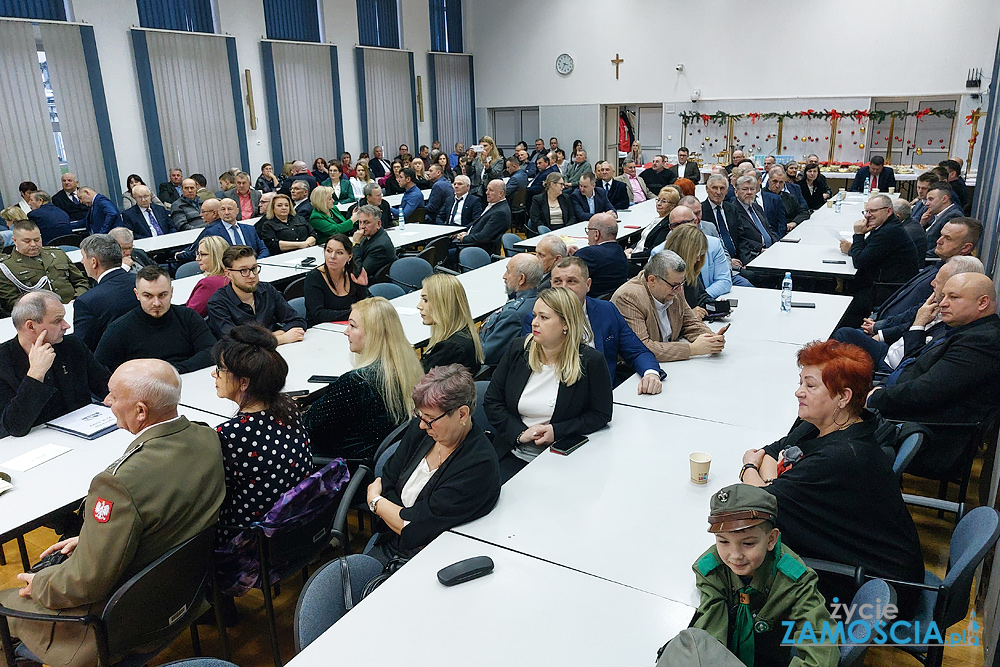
pixel 373 503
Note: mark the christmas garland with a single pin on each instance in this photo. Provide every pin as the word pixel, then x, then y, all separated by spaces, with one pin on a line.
pixel 879 116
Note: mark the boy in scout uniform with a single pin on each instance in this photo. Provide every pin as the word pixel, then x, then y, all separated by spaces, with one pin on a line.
pixel 167 487
pixel 749 584
pixel 32 267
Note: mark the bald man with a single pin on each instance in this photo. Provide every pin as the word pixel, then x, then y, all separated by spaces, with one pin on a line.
pixel 954 377
pixel 604 256
pixel 166 487
pixel 185 212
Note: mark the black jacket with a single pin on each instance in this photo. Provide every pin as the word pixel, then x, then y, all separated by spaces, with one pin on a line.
pixel 490 226
pixel 458 348
pixel 886 255
pixel 582 408
pixel 225 310
pixel 74 379
pixel 102 304
pixel 272 230
pixel 539 214
pixel 464 488
pixel 322 305
pixel 747 242
pixel 374 253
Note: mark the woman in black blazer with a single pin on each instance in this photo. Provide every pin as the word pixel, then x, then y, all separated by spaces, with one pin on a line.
pixel 549 385
pixel 552 196
pixel 814 188
pixel 443 474
pixel 444 307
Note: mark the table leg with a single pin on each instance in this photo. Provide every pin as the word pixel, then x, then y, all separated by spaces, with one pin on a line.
pixel 23 548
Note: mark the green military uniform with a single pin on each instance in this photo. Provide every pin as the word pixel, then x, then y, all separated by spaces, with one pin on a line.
pixel 64 277
pixel 165 489
pixel 747 616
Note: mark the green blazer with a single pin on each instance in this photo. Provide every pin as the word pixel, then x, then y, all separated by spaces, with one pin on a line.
pixel 346 191
pixel 328 225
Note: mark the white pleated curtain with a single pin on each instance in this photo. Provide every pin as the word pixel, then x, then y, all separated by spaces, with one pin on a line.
pixel 194 102
pixel 388 98
pixel 453 99
pixel 303 81
pixel 25 127
pixel 77 121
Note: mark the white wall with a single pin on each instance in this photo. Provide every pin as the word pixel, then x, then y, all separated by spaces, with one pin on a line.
pixel 787 49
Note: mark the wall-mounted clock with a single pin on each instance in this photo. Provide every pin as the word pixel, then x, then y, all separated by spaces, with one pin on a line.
pixel 564 64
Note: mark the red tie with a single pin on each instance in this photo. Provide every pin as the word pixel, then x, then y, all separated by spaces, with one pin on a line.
pixel 874 182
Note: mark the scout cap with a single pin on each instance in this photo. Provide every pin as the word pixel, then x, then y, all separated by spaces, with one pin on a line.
pixel 741 506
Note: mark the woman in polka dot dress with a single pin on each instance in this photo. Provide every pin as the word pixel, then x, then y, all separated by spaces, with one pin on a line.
pixel 265 449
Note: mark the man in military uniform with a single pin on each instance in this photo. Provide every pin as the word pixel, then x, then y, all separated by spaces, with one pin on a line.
pixel 32 267
pixel 521 278
pixel 166 488
pixel 750 584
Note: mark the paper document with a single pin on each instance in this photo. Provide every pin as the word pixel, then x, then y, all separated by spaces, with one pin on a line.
pixel 90 421
pixel 35 457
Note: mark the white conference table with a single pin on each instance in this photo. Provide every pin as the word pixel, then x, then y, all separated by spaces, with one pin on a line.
pixel 749 384
pixel 806 258
pixel 526 612
pixel 162 242
pixel 758 316
pixel 630 221
pixel 320 352
pixel 414 234
pixel 64 480
pixel 622 507
pixel 393 200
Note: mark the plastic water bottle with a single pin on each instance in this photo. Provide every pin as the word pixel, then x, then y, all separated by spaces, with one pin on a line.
pixel 786 293
pixel 402 221
pixel 836 206
pixel 868 186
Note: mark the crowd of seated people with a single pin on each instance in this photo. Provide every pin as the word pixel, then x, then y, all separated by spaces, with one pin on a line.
pixel 553 353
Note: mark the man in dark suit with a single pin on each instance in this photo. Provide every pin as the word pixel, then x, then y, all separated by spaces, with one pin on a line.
pixel 378 165
pixel 299 172
pixel 299 193
pixel 589 200
pixel 741 244
pixel 612 336
pixel 774 211
pixel 604 256
pixel 441 194
pixel 940 209
pixel 917 234
pixel 373 249
pixel 685 168
pixel 495 220
pixel 146 219
pixel 110 298
pixel 953 378
pixel 170 191
pixel 657 175
pixel 462 209
pixel 236 233
pixel 517 178
pixel 882 176
pixel 373 196
pixel 52 221
pixel 957 183
pixel 103 215
pixel 794 213
pixel 133 258
pixel 68 199
pixel 617 192
pixel 545 167
pixel 882 252
pixel 752 216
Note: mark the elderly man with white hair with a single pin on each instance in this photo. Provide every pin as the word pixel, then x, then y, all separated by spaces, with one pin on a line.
pixel 146 219
pixel 520 278
pixel 166 488
pixel 43 374
pixel 549 251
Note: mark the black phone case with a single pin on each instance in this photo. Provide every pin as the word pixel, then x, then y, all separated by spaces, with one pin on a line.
pixel 323 379
pixel 465 570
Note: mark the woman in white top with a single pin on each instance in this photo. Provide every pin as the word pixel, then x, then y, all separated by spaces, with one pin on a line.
pixel 549 385
pixel 444 472
pixel 361 178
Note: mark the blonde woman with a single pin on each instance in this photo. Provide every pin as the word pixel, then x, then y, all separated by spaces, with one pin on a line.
pixel 490 150
pixel 420 176
pixel 549 385
pixel 362 406
pixel 326 219
pixel 444 307
pixel 361 178
pixel 209 257
pixel 692 245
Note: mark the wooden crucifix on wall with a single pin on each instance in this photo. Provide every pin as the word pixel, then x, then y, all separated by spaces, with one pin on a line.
pixel 616 62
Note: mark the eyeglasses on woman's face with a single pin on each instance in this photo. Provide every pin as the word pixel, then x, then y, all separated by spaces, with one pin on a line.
pixel 428 422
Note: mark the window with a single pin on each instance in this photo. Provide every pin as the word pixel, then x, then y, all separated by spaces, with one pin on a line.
pixel 446 26
pixel 51 10
pixel 378 23
pixel 187 15
pixel 294 20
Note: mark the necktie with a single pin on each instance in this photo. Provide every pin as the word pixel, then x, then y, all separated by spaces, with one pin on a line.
pixel 237 236
pixel 152 223
pixel 76 200
pixel 607 186
pixel 454 209
pixel 874 182
pixel 765 237
pixel 590 203
pixel 720 219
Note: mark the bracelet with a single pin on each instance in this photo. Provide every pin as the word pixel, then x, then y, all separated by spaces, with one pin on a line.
pixel 748 466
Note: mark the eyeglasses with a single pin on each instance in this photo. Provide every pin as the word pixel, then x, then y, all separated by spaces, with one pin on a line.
pixel 674 287
pixel 201 254
pixel 255 269
pixel 219 370
pixel 428 422
pixel 873 211
pixel 592 229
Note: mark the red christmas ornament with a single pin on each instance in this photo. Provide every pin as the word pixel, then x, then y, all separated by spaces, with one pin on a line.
pixel 855 143
pixel 746 134
pixel 852 131
pixel 795 137
pixel 930 142
pixel 840 145
pixel 839 131
pixel 827 137
pixel 878 131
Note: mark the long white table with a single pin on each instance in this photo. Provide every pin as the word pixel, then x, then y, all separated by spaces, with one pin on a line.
pixel 527 612
pixel 393 200
pixel 162 242
pixel 805 258
pixel 631 221
pixel 64 480
pixel 622 507
pixel 758 316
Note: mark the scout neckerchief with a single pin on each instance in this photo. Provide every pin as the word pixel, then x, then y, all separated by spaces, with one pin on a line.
pixel 743 632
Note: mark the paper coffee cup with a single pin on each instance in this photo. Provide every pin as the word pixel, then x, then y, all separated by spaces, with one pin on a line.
pixel 892 190
pixel 700 463
pixel 829 204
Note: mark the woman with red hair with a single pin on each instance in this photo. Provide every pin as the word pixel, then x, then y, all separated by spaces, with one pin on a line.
pixel 686 186
pixel 838 498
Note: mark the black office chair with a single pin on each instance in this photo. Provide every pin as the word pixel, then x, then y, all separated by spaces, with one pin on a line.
pixel 67 240
pixel 518 211
pixel 295 289
pixel 419 215
pixel 152 608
